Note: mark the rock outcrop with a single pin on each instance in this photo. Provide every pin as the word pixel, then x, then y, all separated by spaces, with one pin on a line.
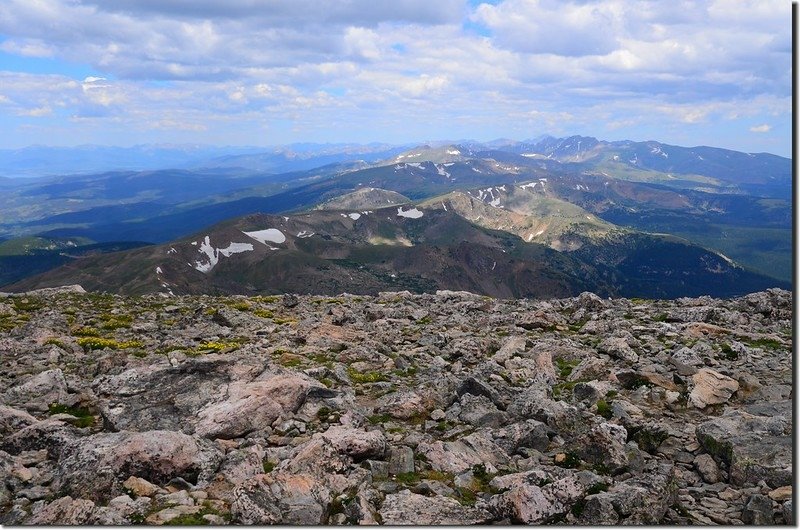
pixel 445 409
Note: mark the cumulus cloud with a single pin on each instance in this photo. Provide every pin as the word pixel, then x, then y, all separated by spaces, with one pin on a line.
pixel 761 128
pixel 516 67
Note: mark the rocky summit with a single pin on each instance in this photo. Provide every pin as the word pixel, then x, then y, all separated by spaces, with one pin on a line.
pixel 446 408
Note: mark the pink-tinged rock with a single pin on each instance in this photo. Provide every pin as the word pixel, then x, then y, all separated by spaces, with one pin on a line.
pixel 97 465
pixel 281 498
pixel 711 388
pixel 252 406
pixel 528 503
pixel 460 455
pixel 64 511
pixel 12 420
pixel 39 392
pixel 357 443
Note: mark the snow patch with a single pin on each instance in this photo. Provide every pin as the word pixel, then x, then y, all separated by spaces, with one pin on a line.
pixel 413 213
pixel 159 271
pixel 444 206
pixel 354 216
pixel 304 234
pixel 453 152
pixel 530 185
pixel 273 235
pixel 211 253
pixel 235 248
pixel 172 251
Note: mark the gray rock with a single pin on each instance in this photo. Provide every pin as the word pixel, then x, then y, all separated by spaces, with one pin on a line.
pixel 758 510
pixel 378 469
pixel 39 392
pixel 12 420
pixel 405 508
pixel 531 499
pixel 529 434
pixel 749 445
pixel 281 498
pixel 480 412
pixel 788 512
pixel 160 396
pixel 97 466
pixel 619 348
pixel 707 468
pixel 460 455
pixel 604 448
pixel 401 460
pixel 51 435
pixel 250 406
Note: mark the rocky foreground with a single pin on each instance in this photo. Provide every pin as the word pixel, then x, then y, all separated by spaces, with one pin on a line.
pixel 428 409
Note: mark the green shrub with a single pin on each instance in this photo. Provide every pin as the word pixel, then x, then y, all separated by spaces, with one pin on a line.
pixel 85 418
pixel 604 409
pixel 365 377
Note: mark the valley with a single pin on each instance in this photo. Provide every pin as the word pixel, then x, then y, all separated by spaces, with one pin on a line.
pixel 555 216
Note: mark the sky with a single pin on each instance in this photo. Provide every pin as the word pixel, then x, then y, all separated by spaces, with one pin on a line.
pixel 274 72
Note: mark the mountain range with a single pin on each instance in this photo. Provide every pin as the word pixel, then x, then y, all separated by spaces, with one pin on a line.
pixel 548 218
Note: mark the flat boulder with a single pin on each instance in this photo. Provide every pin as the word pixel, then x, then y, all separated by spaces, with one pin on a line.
pixel 407 508
pixel 536 497
pixel 357 443
pixel 64 511
pixel 754 447
pixel 160 396
pixel 460 455
pixel 640 500
pixel 711 388
pixel 252 406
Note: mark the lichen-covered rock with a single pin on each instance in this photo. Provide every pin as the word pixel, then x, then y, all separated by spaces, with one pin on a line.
pixel 38 392
pixel 281 498
pixel 64 511
pixel 533 499
pixel 640 500
pixel 52 435
pixel 357 443
pixel 252 406
pixel 97 466
pixel 159 395
pixel 754 447
pixel 459 455
pixel 407 508
pixel 12 420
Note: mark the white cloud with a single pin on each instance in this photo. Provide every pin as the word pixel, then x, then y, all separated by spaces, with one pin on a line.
pixel 404 67
pixel 37 112
pixel 761 128
pixel 28 48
